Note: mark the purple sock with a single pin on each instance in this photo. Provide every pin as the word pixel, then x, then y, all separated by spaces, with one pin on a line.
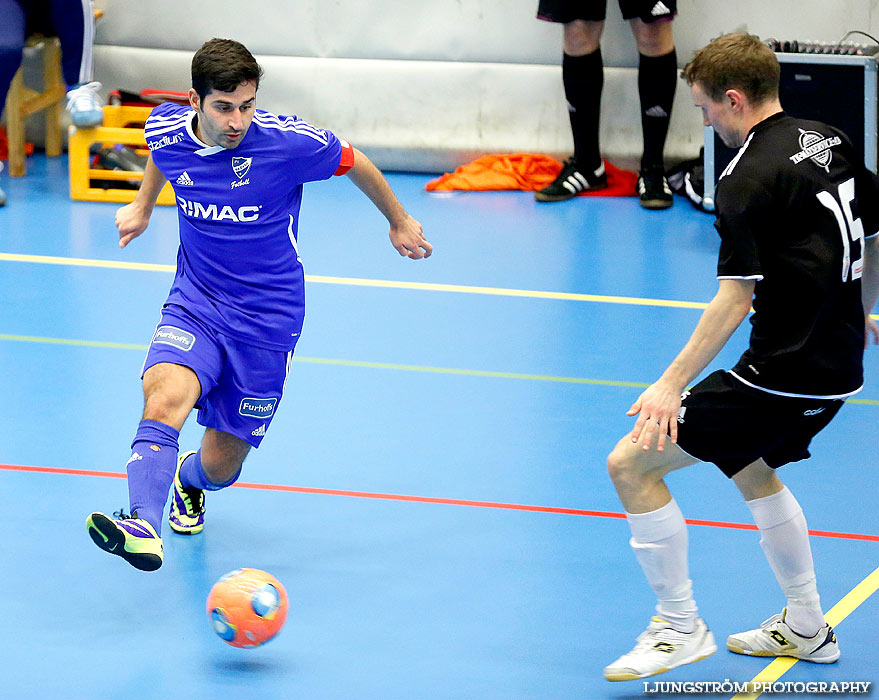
pixel 192 475
pixel 151 470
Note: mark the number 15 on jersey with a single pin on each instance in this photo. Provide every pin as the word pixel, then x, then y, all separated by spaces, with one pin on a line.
pixel 850 228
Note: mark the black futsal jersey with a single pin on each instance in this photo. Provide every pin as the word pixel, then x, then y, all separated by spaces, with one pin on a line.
pixel 793 207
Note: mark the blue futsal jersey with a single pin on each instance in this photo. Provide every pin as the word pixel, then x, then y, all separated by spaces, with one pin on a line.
pixel 238 266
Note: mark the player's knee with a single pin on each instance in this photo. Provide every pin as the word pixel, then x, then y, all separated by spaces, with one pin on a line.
pixel 619 466
pixel 167 407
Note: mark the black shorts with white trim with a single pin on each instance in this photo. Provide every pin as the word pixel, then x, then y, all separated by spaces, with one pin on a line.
pixel 564 11
pixel 732 425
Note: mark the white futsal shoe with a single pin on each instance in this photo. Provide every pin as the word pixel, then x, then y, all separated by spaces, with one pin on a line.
pixel 776 638
pixel 661 648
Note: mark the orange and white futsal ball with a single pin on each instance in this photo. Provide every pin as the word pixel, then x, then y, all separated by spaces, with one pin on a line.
pixel 247 607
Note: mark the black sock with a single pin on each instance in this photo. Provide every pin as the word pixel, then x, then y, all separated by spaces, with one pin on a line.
pixel 657 79
pixel 583 77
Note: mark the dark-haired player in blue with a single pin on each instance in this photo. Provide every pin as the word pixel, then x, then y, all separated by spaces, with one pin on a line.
pixel 231 321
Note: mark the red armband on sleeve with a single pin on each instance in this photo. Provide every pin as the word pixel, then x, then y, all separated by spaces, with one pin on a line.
pixel 346 162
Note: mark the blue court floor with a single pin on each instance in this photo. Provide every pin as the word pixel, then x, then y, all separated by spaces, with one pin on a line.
pixel 433 492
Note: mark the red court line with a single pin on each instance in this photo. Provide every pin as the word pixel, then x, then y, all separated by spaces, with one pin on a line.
pixel 443 501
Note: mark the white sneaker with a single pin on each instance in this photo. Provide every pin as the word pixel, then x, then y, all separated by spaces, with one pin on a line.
pixel 84 105
pixel 661 648
pixel 775 638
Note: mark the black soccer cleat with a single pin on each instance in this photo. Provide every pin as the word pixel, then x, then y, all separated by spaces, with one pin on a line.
pixel 571 181
pixel 653 189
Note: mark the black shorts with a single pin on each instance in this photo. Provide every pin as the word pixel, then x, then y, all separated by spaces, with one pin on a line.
pixel 564 11
pixel 732 425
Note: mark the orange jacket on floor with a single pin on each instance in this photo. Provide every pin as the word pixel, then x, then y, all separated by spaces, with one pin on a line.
pixel 525 171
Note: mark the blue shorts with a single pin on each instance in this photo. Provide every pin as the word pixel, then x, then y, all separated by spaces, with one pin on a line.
pixel 241 384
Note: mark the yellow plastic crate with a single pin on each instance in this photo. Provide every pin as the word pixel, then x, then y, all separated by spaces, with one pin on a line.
pixel 112 132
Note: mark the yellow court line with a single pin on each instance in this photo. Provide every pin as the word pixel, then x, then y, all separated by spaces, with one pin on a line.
pixel 834 616
pixel 387 284
pixel 506 292
pixel 376 365
pixel 86 262
pixel 361 282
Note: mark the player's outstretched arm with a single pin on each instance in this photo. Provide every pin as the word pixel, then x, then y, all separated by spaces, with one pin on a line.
pixel 405 232
pixel 132 219
pixel 657 408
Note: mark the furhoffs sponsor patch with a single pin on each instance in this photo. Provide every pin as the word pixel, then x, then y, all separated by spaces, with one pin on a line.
pixel 169 335
pixel 257 408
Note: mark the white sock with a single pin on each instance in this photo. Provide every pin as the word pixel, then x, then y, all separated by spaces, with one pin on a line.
pixel 784 537
pixel 660 541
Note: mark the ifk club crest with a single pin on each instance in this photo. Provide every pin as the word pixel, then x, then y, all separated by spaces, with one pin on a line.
pixel 241 166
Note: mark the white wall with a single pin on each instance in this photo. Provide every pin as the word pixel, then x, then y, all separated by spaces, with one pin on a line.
pixel 428 85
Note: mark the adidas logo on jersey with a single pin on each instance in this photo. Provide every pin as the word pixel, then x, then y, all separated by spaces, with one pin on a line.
pixel 260 431
pixel 660 9
pixel 184 179
pixel 656 111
